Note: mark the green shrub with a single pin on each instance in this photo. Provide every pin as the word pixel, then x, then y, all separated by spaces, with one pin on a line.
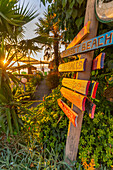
pixel 41 75
pixel 35 80
pixel 49 124
pixel 19 93
pixel 52 80
pixel 96 140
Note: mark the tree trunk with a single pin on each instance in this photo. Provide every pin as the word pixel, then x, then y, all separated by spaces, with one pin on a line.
pixel 56 58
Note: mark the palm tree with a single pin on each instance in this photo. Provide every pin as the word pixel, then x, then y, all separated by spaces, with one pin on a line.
pixel 48 29
pixel 12 18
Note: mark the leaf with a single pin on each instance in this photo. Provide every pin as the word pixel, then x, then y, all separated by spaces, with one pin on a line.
pixel 80 2
pixel 15 119
pixel 0 76
pixel 64 2
pixel 74 13
pixel 68 13
pixel 79 22
pixel 7 19
pixel 10 59
pixel 43 1
pixel 2 119
pixel 8 92
pixel 110 64
pixel 14 78
pixel 72 4
pixel 49 1
pixel 3 99
pixel 9 120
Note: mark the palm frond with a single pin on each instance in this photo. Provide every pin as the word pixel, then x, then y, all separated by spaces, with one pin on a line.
pixel 10 60
pixel 3 99
pixel 15 119
pixel 9 120
pixel 15 62
pixel 7 19
pixel 0 76
pixel 28 12
pixel 13 78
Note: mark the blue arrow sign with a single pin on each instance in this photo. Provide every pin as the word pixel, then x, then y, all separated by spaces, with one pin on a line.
pixel 92 44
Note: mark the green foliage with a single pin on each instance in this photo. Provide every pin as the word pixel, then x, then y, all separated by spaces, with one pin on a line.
pixel 48 29
pixel 49 124
pixel 96 136
pixel 96 140
pixel 15 155
pixel 36 79
pixel 21 95
pixel 71 14
pixel 13 17
pixel 52 80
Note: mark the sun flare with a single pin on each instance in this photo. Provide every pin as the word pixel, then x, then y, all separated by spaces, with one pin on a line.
pixel 4 61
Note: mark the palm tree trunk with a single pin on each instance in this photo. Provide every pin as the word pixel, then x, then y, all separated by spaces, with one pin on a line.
pixel 56 44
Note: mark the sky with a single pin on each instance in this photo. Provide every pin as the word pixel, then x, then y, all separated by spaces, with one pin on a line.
pixel 30 27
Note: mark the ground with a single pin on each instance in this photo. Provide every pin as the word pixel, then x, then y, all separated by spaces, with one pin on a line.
pixel 41 91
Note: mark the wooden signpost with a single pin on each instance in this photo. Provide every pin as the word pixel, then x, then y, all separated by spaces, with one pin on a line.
pixel 98 62
pixel 90 108
pixel 75 98
pixel 80 86
pixel 89 45
pixel 78 65
pixel 94 89
pixel 69 112
pixel 80 102
pixel 80 36
pixel 74 132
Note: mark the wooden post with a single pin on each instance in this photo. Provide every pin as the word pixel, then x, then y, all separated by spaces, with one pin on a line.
pixel 74 132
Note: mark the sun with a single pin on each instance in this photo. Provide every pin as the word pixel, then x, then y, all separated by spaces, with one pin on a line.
pixel 5 61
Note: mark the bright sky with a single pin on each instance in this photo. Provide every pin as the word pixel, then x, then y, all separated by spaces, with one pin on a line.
pixel 30 27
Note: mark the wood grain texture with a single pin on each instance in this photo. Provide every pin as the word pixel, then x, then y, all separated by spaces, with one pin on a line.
pixel 100 41
pixel 78 65
pixel 75 98
pixel 80 36
pixel 80 86
pixel 94 89
pixel 74 132
pixel 98 62
pixel 68 111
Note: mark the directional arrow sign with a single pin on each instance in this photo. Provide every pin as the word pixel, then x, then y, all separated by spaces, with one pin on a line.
pixel 92 44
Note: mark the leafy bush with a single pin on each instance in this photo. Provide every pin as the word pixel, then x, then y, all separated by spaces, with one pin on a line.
pixel 52 80
pixel 96 140
pixel 41 75
pixel 21 95
pixel 48 123
pixel 36 79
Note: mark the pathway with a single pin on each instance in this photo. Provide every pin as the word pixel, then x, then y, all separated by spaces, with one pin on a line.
pixel 41 91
